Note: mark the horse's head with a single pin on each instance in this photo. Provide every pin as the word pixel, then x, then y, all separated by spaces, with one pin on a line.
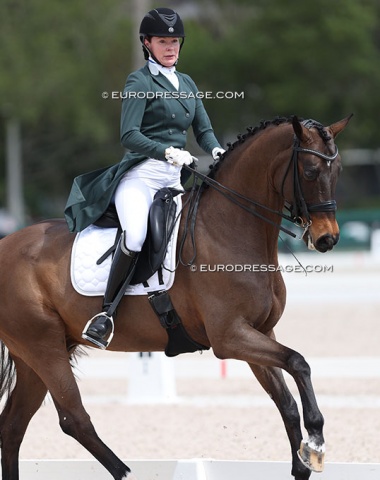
pixel 316 167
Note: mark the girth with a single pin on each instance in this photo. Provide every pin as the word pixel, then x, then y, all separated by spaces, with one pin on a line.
pixel 178 339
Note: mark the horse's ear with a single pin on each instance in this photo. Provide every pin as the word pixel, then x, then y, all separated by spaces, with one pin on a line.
pixel 300 131
pixel 338 127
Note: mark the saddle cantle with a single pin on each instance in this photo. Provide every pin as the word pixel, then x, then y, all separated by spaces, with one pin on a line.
pixel 161 221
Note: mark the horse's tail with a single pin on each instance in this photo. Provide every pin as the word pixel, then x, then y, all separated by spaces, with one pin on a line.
pixel 7 371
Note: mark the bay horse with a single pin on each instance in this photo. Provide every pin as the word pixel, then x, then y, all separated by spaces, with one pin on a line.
pixel 281 162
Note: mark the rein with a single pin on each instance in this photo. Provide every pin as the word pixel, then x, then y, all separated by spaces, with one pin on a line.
pixel 298 210
pixel 229 193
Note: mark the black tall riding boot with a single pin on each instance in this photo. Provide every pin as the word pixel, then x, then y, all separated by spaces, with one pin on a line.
pixel 99 330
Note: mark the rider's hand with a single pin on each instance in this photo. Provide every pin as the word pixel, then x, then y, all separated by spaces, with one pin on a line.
pixel 178 157
pixel 217 153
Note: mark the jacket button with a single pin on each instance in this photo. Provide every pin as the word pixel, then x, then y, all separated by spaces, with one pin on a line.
pixel 184 132
pixel 187 114
pixel 170 132
pixel 173 115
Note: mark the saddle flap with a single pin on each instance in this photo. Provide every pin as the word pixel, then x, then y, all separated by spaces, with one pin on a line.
pixel 161 222
pixel 161 218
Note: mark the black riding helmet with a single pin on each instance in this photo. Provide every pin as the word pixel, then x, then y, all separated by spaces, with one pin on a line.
pixel 161 22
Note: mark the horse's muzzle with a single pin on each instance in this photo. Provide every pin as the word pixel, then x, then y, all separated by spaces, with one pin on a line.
pixel 326 242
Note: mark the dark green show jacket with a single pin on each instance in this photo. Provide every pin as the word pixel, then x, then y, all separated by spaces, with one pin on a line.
pixel 154 117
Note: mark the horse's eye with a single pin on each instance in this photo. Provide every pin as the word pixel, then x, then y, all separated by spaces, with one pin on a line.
pixel 311 174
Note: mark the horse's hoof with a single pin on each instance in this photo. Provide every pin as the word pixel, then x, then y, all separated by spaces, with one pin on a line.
pixel 312 455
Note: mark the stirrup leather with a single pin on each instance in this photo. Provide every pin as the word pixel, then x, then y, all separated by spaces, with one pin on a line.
pixel 104 345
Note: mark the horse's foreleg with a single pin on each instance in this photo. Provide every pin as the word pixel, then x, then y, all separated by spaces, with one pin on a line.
pixel 273 382
pixel 312 449
pixel 25 400
pixel 247 344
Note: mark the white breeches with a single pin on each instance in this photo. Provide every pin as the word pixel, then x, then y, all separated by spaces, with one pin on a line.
pixel 134 196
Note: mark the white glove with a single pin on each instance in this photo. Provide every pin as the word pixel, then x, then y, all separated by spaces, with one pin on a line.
pixel 217 152
pixel 178 157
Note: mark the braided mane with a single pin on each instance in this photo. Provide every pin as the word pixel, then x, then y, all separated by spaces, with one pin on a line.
pixel 251 131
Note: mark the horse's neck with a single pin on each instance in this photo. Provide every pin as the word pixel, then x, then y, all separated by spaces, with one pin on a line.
pixel 246 171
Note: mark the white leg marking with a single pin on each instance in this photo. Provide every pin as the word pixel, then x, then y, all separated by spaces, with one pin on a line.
pixel 130 476
pixel 312 444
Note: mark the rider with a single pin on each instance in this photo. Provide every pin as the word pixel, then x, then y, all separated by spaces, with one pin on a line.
pixel 154 123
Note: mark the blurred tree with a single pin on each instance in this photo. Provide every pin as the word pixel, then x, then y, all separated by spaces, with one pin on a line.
pixel 315 59
pixel 56 60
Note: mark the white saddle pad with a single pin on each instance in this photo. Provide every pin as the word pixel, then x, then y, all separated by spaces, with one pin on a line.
pixel 90 279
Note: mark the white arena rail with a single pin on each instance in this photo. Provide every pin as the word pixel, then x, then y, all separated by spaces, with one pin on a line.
pixel 197 469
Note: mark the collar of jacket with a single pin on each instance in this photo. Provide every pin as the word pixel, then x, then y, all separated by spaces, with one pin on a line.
pixel 165 83
pixel 155 68
pixel 168 72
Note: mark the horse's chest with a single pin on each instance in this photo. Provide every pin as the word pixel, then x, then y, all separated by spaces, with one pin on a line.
pixel 268 307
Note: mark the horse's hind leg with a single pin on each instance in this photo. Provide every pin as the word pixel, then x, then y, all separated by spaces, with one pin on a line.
pixel 273 382
pixel 24 401
pixel 73 418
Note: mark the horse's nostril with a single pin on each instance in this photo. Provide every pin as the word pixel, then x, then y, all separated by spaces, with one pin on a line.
pixel 326 242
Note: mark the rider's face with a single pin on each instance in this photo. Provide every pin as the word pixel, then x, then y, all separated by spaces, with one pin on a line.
pixel 165 49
